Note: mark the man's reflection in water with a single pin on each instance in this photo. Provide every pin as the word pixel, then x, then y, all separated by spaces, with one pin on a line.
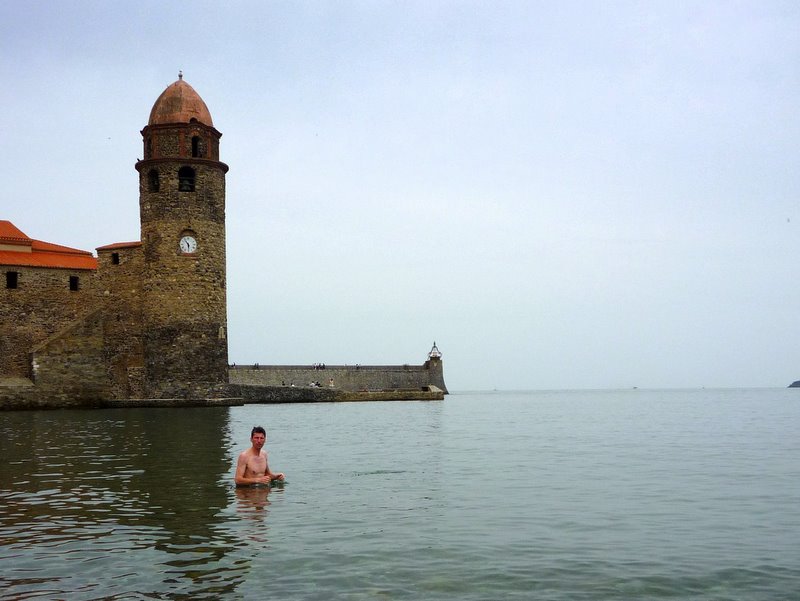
pixel 252 503
pixel 253 500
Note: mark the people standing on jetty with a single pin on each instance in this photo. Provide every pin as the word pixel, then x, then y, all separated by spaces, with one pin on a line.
pixel 252 466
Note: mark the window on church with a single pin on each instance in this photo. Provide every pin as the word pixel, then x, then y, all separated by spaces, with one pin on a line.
pixel 153 181
pixel 115 258
pixel 186 179
pixel 73 282
pixel 197 146
pixel 148 151
pixel 12 279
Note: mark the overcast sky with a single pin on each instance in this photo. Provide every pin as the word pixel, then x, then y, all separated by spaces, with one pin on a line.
pixel 560 194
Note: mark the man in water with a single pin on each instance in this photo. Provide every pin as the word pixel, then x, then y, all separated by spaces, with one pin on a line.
pixel 252 466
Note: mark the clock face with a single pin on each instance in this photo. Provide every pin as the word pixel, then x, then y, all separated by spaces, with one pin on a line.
pixel 188 245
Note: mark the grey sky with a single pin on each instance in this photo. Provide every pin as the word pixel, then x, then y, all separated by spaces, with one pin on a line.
pixel 561 194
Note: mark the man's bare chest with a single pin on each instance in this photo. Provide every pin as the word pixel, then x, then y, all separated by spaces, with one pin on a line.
pixel 257 464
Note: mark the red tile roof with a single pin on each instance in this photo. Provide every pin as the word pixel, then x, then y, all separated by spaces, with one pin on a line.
pixel 11 234
pixel 117 245
pixel 35 253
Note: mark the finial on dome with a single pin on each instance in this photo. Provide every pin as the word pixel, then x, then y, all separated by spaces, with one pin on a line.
pixel 180 74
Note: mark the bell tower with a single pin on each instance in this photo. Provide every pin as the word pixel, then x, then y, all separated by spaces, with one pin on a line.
pixel 182 214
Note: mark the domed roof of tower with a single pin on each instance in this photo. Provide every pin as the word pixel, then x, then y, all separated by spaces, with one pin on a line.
pixel 179 103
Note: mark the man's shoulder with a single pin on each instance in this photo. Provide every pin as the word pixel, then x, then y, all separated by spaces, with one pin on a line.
pixel 249 453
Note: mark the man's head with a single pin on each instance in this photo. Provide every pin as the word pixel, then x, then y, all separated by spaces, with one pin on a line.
pixel 258 437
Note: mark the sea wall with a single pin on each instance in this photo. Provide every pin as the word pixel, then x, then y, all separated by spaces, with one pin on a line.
pixel 308 394
pixel 343 377
pixel 20 393
pixel 70 373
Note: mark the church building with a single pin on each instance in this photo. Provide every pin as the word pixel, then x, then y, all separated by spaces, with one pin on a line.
pixel 145 322
pixel 145 319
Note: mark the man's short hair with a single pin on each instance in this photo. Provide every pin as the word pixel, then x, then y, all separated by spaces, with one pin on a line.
pixel 259 430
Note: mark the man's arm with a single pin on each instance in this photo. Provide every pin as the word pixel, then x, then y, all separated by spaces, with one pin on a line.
pixel 241 466
pixel 278 476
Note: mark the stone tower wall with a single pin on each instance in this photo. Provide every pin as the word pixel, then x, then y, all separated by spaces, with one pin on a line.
pixel 184 315
pixel 169 141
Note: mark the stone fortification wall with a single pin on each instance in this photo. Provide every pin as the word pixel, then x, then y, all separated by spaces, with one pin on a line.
pixel 68 370
pixel 283 394
pixel 40 305
pixel 345 377
pixel 119 277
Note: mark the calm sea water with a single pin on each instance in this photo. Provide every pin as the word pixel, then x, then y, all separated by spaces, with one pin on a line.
pixel 532 495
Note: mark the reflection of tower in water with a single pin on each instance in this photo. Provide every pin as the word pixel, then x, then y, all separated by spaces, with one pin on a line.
pixel 184 485
pixel 184 468
pixel 130 479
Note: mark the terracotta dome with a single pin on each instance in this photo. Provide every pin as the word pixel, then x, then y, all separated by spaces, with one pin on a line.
pixel 179 103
